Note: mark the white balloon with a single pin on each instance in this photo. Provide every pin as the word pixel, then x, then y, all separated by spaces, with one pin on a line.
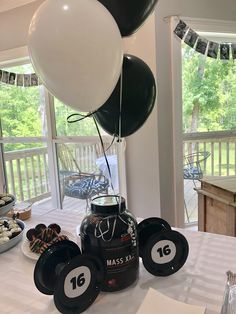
pixel 75 47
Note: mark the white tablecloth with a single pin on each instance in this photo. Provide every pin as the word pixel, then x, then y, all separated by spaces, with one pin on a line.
pixel 102 165
pixel 201 281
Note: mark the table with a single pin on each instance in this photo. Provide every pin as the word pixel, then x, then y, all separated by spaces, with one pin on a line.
pixel 201 281
pixel 102 165
pixel 217 205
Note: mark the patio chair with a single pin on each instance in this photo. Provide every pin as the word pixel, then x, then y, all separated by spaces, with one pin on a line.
pixel 192 169
pixel 78 184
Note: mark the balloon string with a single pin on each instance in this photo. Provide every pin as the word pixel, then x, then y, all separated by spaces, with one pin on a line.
pixel 120 125
pixel 111 143
pixel 104 153
pixel 90 115
pixel 82 117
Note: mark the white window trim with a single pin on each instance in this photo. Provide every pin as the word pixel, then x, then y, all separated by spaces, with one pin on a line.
pixel 199 25
pixel 14 57
pixel 205 25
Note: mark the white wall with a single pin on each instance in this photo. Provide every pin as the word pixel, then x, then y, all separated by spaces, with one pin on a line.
pixel 210 9
pixel 142 146
pixel 14 25
pixel 6 5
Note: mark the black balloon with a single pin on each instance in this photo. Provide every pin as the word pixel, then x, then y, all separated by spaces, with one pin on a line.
pixel 138 99
pixel 129 14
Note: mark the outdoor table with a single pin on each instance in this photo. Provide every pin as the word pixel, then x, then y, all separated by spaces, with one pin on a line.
pixel 201 281
pixel 217 205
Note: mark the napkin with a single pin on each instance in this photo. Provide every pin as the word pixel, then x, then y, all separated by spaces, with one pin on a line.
pixel 157 303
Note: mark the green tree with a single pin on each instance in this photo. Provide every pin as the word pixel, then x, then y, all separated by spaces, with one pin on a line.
pixel 208 92
pixel 22 114
pixel 85 127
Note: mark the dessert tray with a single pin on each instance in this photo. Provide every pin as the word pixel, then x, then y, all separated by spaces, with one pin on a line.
pixel 14 240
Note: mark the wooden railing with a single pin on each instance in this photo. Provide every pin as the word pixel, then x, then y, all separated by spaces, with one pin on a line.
pixel 222 149
pixel 27 170
pixel 27 173
pixel 86 154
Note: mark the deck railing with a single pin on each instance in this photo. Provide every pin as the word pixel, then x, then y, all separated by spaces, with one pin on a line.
pixel 27 170
pixel 27 173
pixel 222 149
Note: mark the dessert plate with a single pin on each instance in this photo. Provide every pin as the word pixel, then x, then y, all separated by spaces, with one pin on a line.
pixel 34 256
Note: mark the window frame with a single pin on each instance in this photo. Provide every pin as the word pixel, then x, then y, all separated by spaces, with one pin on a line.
pixel 19 56
pixel 199 25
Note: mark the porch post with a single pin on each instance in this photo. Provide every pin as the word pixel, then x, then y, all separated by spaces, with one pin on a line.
pixel 169 122
pixel 2 170
pixel 52 156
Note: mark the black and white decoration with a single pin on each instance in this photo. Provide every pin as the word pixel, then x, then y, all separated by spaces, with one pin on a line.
pixel 201 45
pixel 223 51
pixel 213 49
pixel 181 29
pixel 191 38
pixel 24 80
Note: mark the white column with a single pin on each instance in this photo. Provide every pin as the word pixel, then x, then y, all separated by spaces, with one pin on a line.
pixel 52 157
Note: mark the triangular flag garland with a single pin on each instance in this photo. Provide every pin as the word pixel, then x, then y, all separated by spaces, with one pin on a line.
pixel 24 80
pixel 223 51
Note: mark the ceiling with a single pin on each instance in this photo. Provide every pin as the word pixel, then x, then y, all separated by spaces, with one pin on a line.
pixel 6 5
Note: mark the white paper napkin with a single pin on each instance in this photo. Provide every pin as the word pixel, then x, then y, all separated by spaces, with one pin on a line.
pixel 157 303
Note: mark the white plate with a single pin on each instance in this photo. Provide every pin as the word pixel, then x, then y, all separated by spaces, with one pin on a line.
pixel 34 256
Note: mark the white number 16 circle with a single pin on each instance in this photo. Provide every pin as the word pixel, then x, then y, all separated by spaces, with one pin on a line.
pixel 163 252
pixel 77 281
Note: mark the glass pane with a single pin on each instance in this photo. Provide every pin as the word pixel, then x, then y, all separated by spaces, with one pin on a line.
pixel 22 109
pixel 27 171
pixel 209 105
pixel 209 93
pixel 84 174
pixel 85 127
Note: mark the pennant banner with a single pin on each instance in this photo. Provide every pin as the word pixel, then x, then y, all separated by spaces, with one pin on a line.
pixel 191 38
pixel 213 49
pixel 223 51
pixel 181 29
pixel 24 80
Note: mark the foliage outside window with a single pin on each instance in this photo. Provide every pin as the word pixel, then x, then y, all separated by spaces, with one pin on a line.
pixel 209 93
pixel 22 114
pixel 22 111
pixel 85 127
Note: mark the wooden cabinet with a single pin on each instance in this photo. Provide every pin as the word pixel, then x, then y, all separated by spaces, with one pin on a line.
pixel 217 205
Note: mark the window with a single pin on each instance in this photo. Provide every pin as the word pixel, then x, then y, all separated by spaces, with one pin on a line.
pixel 33 133
pixel 209 93
pixel 209 115
pixel 23 134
